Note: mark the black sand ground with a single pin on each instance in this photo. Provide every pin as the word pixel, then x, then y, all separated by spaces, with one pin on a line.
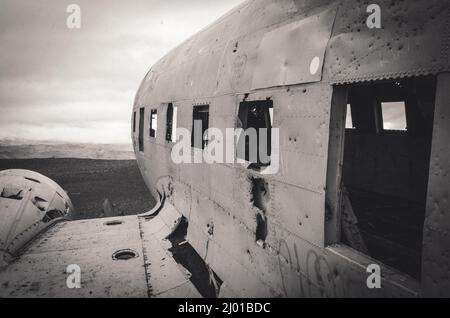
pixel 90 182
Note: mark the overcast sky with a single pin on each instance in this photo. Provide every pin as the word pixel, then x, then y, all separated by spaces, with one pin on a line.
pixel 78 85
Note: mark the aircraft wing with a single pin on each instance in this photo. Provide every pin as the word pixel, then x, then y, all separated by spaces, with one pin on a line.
pixel 116 257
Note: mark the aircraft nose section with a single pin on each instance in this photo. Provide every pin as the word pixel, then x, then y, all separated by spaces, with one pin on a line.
pixel 29 204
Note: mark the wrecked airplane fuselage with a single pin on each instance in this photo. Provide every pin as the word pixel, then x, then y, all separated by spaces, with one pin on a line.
pixel 344 198
pixel 358 206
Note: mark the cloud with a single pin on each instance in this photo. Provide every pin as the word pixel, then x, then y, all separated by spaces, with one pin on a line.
pixel 79 85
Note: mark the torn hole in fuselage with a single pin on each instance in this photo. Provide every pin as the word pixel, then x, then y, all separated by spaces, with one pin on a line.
pixel 206 281
pixel 260 200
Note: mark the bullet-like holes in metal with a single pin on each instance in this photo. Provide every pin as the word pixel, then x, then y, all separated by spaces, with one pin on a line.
pixel 124 255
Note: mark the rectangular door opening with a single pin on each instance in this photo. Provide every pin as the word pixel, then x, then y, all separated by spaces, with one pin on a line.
pixel 385 155
pixel 200 124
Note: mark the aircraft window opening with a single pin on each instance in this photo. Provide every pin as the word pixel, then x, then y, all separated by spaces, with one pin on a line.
pixel 394 115
pixel 141 129
pixel 257 116
pixel 200 124
pixel 153 122
pixel 381 190
pixel 349 119
pixel 134 121
pixel 171 123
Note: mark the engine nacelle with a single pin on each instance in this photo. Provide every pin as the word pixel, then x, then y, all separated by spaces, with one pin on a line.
pixel 29 204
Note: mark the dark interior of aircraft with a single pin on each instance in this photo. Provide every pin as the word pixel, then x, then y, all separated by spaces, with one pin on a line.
pixel 385 173
pixel 256 115
pixel 169 122
pixel 200 116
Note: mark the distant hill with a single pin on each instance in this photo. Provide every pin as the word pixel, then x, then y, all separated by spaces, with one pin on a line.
pixel 23 149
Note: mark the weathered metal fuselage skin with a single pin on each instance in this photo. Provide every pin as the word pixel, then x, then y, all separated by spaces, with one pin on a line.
pixel 298 54
pixel 30 203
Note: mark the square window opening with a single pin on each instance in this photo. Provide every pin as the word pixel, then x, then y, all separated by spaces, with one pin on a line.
pixel 255 142
pixel 200 124
pixel 394 115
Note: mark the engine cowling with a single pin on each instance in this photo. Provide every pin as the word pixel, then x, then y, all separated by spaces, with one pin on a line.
pixel 30 203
